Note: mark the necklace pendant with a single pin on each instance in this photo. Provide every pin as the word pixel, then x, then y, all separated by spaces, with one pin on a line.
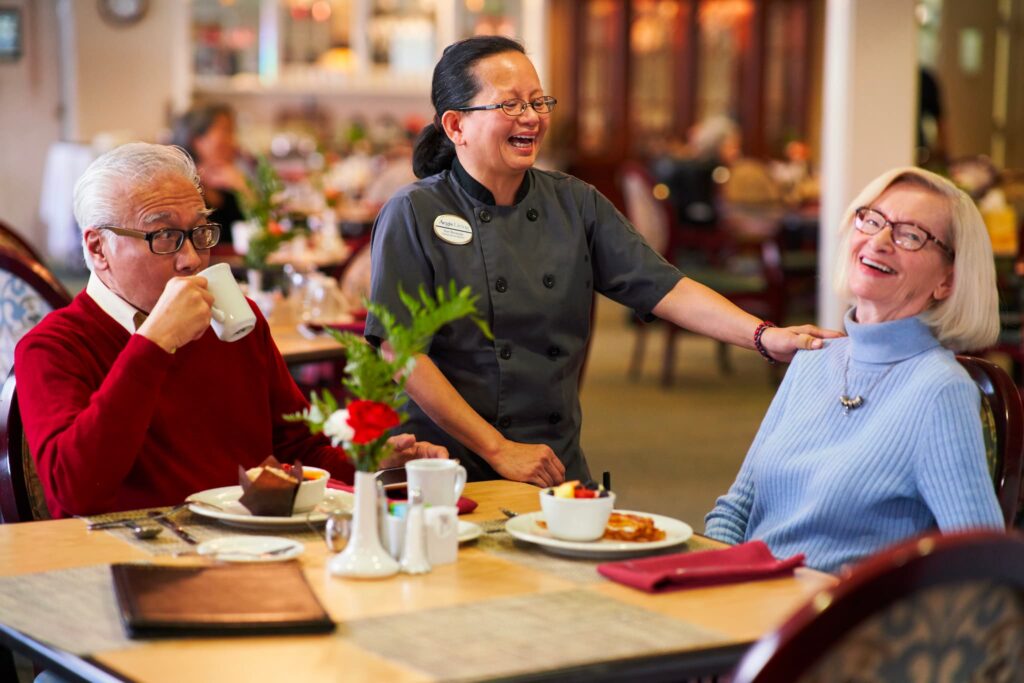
pixel 850 403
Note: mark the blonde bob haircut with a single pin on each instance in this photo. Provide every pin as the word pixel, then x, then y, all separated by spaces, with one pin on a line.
pixel 969 318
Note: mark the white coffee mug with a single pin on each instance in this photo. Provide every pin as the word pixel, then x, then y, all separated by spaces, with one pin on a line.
pixel 440 481
pixel 232 317
pixel 442 525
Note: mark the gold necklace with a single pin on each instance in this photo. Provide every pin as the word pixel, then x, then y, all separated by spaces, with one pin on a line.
pixel 858 400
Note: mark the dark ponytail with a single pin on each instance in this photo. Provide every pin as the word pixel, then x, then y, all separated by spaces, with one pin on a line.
pixel 453 86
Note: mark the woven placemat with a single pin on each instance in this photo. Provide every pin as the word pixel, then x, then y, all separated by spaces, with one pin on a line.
pixel 71 609
pixel 524 634
pixel 202 528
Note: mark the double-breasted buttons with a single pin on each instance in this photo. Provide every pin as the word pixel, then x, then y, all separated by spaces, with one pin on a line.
pixel 549 281
pixel 505 422
pixel 485 215
pixel 506 352
pixel 501 284
pixel 555 418
pixel 532 214
pixel 554 352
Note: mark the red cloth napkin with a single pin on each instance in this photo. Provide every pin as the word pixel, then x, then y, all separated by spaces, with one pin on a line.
pixel 465 505
pixel 744 562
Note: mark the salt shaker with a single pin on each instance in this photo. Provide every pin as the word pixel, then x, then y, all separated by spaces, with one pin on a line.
pixel 414 554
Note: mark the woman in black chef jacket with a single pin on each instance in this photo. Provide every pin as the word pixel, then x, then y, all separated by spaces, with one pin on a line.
pixel 534 245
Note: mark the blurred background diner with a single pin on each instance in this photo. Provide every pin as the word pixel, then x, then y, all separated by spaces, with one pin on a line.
pixel 732 133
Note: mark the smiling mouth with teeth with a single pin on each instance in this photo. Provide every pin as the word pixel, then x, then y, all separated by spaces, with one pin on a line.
pixel 877 266
pixel 521 141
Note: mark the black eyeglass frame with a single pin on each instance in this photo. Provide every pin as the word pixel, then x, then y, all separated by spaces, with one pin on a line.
pixel 546 101
pixel 858 222
pixel 165 232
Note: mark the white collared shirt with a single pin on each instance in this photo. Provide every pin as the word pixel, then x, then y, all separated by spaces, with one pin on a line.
pixel 113 305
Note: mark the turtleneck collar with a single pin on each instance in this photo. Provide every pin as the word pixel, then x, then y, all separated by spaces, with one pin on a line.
pixel 889 342
pixel 477 191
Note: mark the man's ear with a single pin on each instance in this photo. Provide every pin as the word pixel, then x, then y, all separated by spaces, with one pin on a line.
pixel 96 247
pixel 451 121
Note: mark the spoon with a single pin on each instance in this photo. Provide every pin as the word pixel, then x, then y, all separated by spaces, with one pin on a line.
pixel 143 532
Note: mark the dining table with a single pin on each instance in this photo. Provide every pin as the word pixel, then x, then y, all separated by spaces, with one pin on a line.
pixel 506 609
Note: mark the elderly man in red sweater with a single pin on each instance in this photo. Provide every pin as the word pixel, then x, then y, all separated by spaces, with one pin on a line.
pixel 128 397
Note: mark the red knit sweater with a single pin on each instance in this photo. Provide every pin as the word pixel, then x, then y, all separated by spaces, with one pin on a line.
pixel 116 423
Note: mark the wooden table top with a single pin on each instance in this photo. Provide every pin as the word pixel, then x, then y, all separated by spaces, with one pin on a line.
pixel 298 349
pixel 742 612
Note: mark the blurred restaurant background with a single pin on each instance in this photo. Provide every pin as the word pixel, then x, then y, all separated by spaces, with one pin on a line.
pixel 731 132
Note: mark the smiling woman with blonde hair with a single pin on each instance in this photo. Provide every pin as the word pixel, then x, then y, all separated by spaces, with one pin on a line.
pixel 878 437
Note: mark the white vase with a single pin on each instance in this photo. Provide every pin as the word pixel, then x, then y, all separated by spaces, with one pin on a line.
pixel 364 557
pixel 254 278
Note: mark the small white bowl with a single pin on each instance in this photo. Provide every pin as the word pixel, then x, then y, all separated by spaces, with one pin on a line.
pixel 311 491
pixel 576 519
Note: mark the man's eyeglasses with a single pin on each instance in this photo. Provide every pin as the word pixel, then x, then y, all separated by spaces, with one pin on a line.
pixel 907 236
pixel 170 240
pixel 541 105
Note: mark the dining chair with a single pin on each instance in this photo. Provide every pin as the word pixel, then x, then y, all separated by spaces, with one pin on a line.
pixel 28 291
pixel 937 607
pixel 21 493
pixel 1003 421
pixel 12 239
pixel 748 274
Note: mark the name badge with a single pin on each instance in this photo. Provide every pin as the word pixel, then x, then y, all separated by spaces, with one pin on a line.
pixel 452 229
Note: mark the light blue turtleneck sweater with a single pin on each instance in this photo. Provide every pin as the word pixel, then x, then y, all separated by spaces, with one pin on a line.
pixel 839 487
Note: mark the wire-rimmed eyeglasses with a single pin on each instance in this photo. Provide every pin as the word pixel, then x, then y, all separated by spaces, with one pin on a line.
pixel 907 236
pixel 170 240
pixel 541 105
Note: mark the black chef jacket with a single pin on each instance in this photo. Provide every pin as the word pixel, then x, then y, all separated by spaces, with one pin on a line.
pixel 535 266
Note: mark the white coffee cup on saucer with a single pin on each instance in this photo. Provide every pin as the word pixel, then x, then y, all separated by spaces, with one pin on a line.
pixel 232 317
pixel 440 481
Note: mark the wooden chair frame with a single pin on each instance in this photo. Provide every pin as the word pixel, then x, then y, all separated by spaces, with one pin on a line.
pixel 15 505
pixel 13 235
pixel 915 565
pixel 1008 410
pixel 37 276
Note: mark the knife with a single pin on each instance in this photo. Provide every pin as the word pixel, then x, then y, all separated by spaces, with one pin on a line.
pixel 173 526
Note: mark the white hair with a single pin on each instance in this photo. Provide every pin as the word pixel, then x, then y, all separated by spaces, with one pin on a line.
pixel 100 193
pixel 968 319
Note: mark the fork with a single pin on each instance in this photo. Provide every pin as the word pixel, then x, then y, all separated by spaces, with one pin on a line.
pixel 508 513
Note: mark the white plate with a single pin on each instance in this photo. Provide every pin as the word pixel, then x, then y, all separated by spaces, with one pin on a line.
pixel 235 514
pixel 524 527
pixel 468 531
pixel 251 548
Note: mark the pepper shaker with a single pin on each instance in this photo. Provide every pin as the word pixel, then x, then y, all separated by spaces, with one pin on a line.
pixel 414 554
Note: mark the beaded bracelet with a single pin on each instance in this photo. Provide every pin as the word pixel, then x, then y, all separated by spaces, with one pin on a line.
pixel 765 324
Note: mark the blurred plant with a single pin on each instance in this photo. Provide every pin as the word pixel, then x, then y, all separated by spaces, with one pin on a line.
pixel 263 208
pixel 376 379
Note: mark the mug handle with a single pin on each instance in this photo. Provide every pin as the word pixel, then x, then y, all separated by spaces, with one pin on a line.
pixel 218 314
pixel 460 482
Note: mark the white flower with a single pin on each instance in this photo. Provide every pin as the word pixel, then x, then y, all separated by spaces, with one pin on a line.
pixel 338 429
pixel 314 414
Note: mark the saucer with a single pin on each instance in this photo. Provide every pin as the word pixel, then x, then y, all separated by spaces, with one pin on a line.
pixel 251 548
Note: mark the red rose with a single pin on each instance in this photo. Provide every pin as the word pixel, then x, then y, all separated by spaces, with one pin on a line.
pixel 370 420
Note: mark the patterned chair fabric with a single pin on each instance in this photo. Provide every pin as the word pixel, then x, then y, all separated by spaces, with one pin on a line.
pixel 968 631
pixel 21 307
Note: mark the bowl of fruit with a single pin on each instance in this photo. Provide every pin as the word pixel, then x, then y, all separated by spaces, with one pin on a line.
pixel 575 511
